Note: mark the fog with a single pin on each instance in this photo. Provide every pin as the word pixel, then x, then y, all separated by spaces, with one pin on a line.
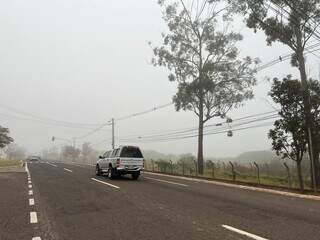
pixel 89 61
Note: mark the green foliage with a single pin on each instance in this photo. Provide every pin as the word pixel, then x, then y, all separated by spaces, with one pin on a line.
pixel 5 139
pixel 187 160
pixel 203 59
pixel 163 165
pixel 290 22
pixel 288 136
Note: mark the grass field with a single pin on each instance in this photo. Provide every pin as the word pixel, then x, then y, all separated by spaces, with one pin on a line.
pixel 9 163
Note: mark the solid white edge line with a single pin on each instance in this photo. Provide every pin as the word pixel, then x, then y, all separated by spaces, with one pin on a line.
pixel 66 169
pixel 30 192
pixel 160 180
pixel 244 187
pixel 36 238
pixel 111 185
pixel 250 235
pixel 33 217
pixel 31 201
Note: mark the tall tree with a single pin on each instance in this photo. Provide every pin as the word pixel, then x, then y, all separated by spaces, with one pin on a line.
pixel 288 134
pixel 5 139
pixel 71 152
pixel 293 23
pixel 203 59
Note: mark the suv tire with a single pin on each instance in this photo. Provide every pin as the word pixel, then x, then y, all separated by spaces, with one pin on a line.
pixel 98 170
pixel 112 173
pixel 135 176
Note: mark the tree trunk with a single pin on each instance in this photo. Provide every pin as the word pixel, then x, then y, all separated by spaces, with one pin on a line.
pixel 200 139
pixel 300 177
pixel 307 108
pixel 316 164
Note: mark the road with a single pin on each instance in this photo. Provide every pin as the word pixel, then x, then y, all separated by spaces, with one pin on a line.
pixel 70 202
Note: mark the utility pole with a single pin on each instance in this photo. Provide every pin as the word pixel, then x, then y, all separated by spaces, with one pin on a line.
pixel 74 149
pixel 112 122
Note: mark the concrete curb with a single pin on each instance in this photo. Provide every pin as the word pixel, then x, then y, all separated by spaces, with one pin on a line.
pixel 257 189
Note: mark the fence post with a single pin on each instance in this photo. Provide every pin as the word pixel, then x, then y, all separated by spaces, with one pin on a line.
pixel 183 168
pixel 196 167
pixel 152 165
pixel 171 164
pixel 213 167
pixel 233 172
pixel 289 174
pixel 258 171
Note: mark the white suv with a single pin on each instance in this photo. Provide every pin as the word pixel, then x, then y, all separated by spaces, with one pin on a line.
pixel 121 161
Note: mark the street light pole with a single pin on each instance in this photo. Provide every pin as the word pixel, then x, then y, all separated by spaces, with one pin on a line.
pixel 112 123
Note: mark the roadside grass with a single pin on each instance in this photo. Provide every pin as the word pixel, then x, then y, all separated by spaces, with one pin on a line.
pixel 9 163
pixel 244 177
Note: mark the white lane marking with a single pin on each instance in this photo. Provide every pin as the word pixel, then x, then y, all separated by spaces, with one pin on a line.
pixel 36 238
pixel 29 182
pixel 160 180
pixel 30 186
pixel 30 192
pixel 111 185
pixel 66 169
pixel 53 165
pixel 249 235
pixel 31 201
pixel 33 217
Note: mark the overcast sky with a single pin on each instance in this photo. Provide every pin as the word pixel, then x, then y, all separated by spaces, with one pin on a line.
pixel 89 60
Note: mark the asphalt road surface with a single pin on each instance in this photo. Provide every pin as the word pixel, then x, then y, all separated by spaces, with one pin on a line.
pixel 69 202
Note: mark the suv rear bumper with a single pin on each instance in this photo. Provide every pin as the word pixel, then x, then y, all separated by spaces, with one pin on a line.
pixel 128 170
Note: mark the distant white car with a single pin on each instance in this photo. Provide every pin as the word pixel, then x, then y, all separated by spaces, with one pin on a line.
pixel 121 161
pixel 33 159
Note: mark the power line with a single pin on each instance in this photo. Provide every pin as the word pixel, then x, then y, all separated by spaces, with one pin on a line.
pixel 178 132
pixel 144 112
pixel 123 118
pixel 211 133
pixel 186 133
pixel 49 120
pixel 285 58
pixel 42 122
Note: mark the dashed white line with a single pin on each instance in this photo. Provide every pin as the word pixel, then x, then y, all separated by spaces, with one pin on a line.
pixel 111 185
pixel 53 165
pixel 30 192
pixel 30 186
pixel 29 182
pixel 33 217
pixel 160 180
pixel 36 238
pixel 68 170
pixel 249 235
pixel 31 201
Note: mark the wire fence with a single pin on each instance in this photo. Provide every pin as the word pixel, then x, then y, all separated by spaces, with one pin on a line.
pixel 266 174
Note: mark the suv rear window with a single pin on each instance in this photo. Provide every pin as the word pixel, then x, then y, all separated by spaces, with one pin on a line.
pixel 132 152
